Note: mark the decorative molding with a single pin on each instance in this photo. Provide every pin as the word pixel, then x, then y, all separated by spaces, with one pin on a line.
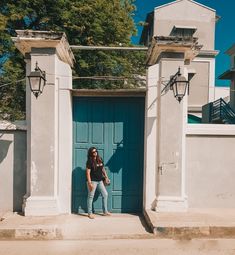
pixel 211 81
pixel 208 53
pixel 174 2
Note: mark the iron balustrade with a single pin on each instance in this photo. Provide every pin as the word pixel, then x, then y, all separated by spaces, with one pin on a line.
pixel 221 112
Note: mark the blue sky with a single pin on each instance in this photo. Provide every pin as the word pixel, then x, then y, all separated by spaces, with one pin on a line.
pixel 225 28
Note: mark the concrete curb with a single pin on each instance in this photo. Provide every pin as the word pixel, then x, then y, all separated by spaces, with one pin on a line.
pixel 57 234
pixel 30 234
pixel 158 233
pixel 194 232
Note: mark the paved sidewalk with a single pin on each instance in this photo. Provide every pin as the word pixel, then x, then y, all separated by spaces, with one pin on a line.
pixel 73 227
pixel 211 223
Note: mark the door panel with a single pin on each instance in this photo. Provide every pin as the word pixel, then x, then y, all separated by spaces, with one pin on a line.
pixel 115 126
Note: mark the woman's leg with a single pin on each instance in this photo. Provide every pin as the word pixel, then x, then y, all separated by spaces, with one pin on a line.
pixel 101 188
pixel 90 197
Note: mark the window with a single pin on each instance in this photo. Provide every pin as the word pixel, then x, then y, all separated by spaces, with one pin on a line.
pixel 183 31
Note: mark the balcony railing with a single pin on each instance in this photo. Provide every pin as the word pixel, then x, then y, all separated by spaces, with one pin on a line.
pixel 221 112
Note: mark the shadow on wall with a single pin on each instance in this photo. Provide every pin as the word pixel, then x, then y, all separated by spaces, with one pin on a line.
pixel 79 178
pixel 115 163
pixel 4 147
pixel 19 170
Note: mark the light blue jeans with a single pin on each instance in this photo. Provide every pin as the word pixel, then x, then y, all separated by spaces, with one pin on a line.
pixel 101 188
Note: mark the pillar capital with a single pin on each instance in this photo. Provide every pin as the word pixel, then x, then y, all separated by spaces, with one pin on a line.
pixel 178 47
pixel 28 39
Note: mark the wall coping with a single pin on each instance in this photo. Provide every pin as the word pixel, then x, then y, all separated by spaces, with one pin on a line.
pixel 210 129
pixel 6 125
pixel 138 92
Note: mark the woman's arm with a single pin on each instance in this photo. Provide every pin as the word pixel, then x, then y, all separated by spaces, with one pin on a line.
pixel 88 177
pixel 106 178
pixel 104 172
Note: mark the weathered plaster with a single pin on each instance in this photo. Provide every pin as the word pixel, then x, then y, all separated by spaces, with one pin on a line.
pixel 12 166
pixel 48 143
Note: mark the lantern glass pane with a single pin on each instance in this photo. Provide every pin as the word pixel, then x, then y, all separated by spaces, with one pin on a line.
pixel 174 88
pixel 35 83
pixel 41 85
pixel 181 87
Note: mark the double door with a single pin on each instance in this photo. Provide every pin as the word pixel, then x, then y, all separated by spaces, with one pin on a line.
pixel 115 126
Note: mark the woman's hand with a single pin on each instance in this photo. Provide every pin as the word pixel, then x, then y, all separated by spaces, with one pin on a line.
pixel 90 186
pixel 107 181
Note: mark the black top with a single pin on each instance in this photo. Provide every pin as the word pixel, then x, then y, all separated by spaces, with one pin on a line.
pixel 96 171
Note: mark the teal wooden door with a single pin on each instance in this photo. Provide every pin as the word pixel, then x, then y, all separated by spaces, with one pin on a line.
pixel 115 126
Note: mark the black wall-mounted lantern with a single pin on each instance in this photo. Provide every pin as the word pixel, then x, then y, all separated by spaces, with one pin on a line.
pixel 178 84
pixel 37 80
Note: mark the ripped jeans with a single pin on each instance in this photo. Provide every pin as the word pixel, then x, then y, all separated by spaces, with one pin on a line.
pixel 99 185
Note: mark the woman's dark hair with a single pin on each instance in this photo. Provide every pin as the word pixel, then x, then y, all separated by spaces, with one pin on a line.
pixel 90 157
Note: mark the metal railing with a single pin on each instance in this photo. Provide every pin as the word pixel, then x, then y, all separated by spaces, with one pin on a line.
pixel 221 112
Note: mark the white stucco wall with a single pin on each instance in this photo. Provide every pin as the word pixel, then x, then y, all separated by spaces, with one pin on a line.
pixel 170 139
pixel 171 143
pixel 221 92
pixel 202 85
pixel 12 168
pixel 6 176
pixel 210 166
pixel 42 129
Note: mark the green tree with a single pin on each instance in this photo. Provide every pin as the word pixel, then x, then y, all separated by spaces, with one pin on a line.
pixel 85 22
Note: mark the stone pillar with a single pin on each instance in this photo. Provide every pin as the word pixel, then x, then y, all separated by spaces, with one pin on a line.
pixel 172 119
pixel 165 134
pixel 165 138
pixel 49 122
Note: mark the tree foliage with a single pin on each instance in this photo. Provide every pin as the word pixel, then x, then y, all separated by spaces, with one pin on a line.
pixel 85 22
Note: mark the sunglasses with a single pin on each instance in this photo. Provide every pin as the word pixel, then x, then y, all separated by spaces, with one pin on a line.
pixel 94 151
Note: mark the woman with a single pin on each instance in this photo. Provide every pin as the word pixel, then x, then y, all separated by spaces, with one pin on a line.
pixel 95 172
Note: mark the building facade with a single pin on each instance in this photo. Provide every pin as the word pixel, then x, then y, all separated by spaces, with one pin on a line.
pixel 155 159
